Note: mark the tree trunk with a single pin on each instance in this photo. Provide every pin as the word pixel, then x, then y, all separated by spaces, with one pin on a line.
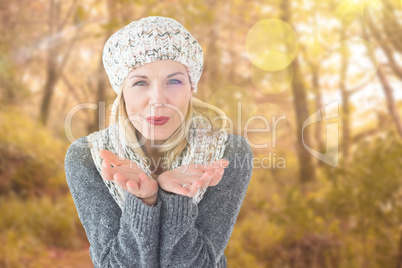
pixel 345 117
pixel 100 119
pixel 54 69
pixel 307 168
pixel 391 25
pixel 51 72
pixel 392 109
pixel 49 89
pixel 318 106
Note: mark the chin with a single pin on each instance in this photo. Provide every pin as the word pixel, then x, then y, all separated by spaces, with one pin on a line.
pixel 158 134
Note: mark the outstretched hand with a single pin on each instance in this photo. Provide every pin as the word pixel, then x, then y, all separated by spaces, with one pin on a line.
pixel 184 180
pixel 128 175
pixel 188 179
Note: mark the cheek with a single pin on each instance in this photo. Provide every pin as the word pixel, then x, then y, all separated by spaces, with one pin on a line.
pixel 180 117
pixel 130 107
pixel 134 105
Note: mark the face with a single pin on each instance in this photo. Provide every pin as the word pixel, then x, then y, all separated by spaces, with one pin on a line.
pixel 157 96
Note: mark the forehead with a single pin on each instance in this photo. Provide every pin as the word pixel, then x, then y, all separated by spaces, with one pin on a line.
pixel 161 66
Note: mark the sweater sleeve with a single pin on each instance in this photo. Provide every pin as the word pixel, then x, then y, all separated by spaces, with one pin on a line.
pixel 127 237
pixel 197 235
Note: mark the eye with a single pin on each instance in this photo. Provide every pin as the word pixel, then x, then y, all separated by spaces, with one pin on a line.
pixel 175 81
pixel 139 83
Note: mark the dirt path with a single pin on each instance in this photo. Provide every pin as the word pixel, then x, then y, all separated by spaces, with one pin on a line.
pixel 58 258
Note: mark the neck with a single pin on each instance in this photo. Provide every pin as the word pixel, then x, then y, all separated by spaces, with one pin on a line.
pixel 153 155
pixel 149 146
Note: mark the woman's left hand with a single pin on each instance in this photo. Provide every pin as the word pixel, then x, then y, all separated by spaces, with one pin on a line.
pixel 188 179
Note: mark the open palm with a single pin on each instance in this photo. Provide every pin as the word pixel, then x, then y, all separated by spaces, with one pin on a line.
pixel 188 179
pixel 128 175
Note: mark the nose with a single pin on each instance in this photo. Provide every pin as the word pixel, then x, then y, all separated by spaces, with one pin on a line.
pixel 157 95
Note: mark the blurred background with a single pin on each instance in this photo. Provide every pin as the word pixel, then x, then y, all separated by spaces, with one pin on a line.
pixel 318 82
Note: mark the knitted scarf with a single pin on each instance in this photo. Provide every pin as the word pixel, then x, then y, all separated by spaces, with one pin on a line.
pixel 201 149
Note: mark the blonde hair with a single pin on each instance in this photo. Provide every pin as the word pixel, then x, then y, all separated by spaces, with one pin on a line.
pixel 177 142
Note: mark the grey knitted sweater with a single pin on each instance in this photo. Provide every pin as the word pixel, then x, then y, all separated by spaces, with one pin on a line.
pixel 172 233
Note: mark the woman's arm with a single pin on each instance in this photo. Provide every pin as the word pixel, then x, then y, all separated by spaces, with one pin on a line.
pixel 197 235
pixel 118 238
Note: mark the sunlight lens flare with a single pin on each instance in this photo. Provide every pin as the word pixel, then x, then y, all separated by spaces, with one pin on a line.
pixel 350 10
pixel 361 62
pixel 271 44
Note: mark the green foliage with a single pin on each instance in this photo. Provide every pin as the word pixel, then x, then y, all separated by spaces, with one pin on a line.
pixel 349 217
pixel 112 24
pixel 30 226
pixel 10 79
pixel 31 158
pixel 36 209
pixel 367 199
pixel 80 14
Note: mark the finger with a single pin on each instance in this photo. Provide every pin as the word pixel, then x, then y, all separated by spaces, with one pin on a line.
pixel 107 171
pixel 128 172
pixel 216 177
pixel 113 158
pixel 120 180
pixel 132 186
pixel 147 184
pixel 178 189
pixel 195 187
pixel 143 182
pixel 107 155
pixel 190 170
pixel 221 163
pixel 206 179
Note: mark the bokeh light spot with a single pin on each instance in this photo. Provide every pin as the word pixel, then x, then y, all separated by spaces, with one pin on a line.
pixel 272 82
pixel 271 44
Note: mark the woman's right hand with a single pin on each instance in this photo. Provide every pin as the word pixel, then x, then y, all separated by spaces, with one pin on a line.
pixel 128 175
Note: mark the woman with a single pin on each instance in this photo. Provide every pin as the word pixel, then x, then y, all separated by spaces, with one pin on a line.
pixel 162 186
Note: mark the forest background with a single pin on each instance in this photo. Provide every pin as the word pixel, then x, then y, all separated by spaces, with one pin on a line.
pixel 322 80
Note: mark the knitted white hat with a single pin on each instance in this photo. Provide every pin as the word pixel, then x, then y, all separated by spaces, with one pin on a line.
pixel 150 39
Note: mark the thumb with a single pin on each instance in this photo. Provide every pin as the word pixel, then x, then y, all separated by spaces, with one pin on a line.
pixel 113 158
pixel 144 180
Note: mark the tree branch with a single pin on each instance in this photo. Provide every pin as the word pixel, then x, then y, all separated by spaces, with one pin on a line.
pixel 397 70
pixel 69 13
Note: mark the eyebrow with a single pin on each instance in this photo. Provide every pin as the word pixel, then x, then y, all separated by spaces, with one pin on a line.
pixel 145 77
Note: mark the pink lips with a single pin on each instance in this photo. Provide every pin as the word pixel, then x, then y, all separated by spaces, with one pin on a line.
pixel 157 120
